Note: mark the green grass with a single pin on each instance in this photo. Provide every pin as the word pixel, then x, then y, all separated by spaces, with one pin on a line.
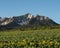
pixel 47 34
pixel 43 38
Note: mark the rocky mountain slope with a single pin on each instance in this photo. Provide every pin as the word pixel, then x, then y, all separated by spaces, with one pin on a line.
pixel 25 20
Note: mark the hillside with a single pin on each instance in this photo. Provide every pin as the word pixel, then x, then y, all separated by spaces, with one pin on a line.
pixel 26 20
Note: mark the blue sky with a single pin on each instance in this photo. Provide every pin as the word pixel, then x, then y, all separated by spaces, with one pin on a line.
pixel 50 8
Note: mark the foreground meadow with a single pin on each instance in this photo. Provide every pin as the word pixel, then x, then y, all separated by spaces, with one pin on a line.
pixel 48 38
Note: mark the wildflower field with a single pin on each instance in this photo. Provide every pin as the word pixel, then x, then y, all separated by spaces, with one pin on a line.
pixel 48 38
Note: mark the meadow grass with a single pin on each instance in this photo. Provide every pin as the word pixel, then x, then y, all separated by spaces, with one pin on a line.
pixel 42 38
pixel 31 34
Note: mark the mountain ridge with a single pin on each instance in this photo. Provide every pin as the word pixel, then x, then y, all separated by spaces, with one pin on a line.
pixel 25 20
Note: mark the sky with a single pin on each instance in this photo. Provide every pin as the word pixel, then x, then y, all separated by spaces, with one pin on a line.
pixel 49 8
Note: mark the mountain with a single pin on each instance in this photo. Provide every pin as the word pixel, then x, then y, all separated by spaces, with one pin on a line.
pixel 26 20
